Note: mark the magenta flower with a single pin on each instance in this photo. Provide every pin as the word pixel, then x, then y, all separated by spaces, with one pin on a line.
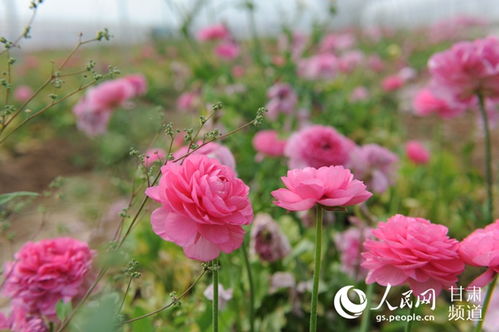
pixel 212 150
pixel 412 250
pixel 318 146
pixel 213 32
pixel 426 103
pixel 417 153
pixel 21 321
pixel 481 248
pixel 138 83
pixel 467 68
pixel 374 165
pixel 282 99
pixel 267 239
pixel 203 207
pixel 153 155
pixel 392 83
pixel 227 50
pixel 110 94
pixel 332 186
pixel 268 143
pixel 47 271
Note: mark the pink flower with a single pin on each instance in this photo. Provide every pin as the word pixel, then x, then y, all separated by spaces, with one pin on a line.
pixel 203 207
pixel 374 165
pixel 110 94
pixel 21 321
pixel 350 245
pixel 350 60
pixel 23 93
pixel 392 83
pixel 412 250
pixel 426 103
pixel 228 50
pixel 481 248
pixel 47 271
pixel 212 150
pixel 359 93
pixel 317 146
pixel 322 66
pixel 188 101
pixel 153 155
pixel 268 143
pixel 417 153
pixel 331 186
pixel 138 83
pixel 283 99
pixel 337 42
pixel 91 121
pixel 224 295
pixel 213 32
pixel 267 239
pixel 375 63
pixel 238 71
pixel 467 68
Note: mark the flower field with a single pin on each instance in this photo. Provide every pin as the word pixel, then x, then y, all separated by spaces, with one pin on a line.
pixel 329 180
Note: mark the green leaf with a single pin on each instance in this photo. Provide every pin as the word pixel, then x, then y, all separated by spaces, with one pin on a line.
pixel 4 198
pixel 62 309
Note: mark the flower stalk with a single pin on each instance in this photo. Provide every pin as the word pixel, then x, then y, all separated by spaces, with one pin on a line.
pixel 317 267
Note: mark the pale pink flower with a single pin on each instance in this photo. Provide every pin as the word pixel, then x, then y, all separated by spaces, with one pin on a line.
pixel 392 83
pixel 268 143
pixel 23 93
pixel 212 150
pixel 280 280
pixel 492 319
pixel 414 251
pixel 350 60
pixel 375 63
pixel 317 146
pixel 238 71
pixel 22 321
pixel 374 165
pixel 267 239
pixel 417 153
pixel 350 245
pixel 188 101
pixel 337 42
pixel 110 94
pixel 47 271
pixel 227 50
pixel 213 32
pixel 91 121
pixel 481 248
pixel 153 155
pixel 282 99
pixel 332 186
pixel 224 295
pixel 203 207
pixel 321 66
pixel 138 83
pixel 467 68
pixel 426 103
pixel 360 93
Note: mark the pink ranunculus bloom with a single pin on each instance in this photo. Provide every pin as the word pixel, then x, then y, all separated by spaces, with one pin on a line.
pixel 374 165
pixel 212 150
pixel 332 186
pixel 267 239
pixel 153 155
pixel 426 103
pixel 417 153
pixel 392 83
pixel 282 99
pixel 322 66
pixel 375 63
pixel 188 101
pixel 350 60
pixel 318 146
pixel 268 143
pixel 47 271
pixel 138 83
pixel 359 93
pixel 110 94
pixel 337 42
pixel 467 68
pixel 481 248
pixel 213 32
pixel 203 207
pixel 349 244
pixel 22 321
pixel 414 251
pixel 91 121
pixel 23 93
pixel 227 50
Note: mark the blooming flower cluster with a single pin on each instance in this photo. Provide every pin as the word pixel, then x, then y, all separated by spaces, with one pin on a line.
pixel 227 48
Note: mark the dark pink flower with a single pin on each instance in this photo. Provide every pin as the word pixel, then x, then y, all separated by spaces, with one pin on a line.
pixel 331 186
pixel 203 207
pixel 268 143
pixel 47 271
pixel 227 50
pixel 412 250
pixel 426 103
pixel 392 83
pixel 138 83
pixel 317 146
pixel 417 153
pixel 213 32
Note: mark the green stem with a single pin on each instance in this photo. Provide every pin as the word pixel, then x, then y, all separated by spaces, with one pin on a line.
pixel 366 318
pixel 408 326
pixel 215 295
pixel 488 159
pixel 317 268
pixel 486 302
pixel 251 287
